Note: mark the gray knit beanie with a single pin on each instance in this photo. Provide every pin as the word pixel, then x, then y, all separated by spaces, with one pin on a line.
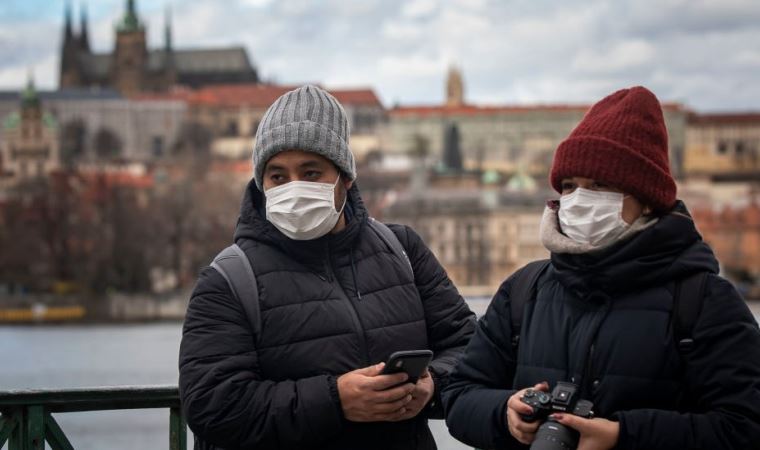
pixel 308 119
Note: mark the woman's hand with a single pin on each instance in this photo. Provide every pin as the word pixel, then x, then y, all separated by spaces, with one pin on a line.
pixel 596 434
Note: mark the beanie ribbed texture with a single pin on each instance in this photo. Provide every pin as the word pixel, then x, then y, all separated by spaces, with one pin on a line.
pixel 307 119
pixel 623 141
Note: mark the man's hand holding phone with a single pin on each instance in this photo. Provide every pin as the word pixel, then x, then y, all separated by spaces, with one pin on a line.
pixel 395 391
pixel 421 395
pixel 368 396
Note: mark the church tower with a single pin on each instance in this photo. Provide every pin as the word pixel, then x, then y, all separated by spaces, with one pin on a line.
pixel 84 36
pixel 454 88
pixel 128 68
pixel 70 74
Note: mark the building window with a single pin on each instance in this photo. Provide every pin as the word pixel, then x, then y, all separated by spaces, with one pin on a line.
pixel 107 144
pixel 722 147
pixel 232 129
pixel 157 146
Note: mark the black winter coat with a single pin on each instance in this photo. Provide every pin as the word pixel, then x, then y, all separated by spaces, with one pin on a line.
pixel 604 323
pixel 327 306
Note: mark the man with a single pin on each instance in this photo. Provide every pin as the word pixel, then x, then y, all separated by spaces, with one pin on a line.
pixel 334 300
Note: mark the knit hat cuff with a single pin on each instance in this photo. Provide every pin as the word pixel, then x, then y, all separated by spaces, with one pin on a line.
pixel 609 161
pixel 307 136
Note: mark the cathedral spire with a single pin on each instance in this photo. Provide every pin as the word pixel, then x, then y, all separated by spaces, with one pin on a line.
pixel 129 22
pixel 67 31
pixel 84 39
pixel 168 29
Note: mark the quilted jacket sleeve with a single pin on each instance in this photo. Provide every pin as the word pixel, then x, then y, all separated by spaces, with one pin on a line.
pixel 722 377
pixel 224 398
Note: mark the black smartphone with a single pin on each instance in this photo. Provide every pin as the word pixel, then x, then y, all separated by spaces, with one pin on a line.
pixel 413 362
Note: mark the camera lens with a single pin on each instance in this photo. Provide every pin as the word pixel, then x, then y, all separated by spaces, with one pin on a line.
pixel 552 435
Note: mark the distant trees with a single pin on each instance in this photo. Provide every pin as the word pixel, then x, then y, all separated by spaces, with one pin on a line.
pixel 100 231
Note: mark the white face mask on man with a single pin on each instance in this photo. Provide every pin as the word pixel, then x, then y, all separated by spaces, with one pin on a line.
pixel 303 210
pixel 592 217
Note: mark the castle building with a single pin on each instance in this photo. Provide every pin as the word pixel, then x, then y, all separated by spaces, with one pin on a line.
pixel 29 149
pixel 132 68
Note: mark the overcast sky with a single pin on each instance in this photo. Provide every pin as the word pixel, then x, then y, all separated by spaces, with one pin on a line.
pixel 704 53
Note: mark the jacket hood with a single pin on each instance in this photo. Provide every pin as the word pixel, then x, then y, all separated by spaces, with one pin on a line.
pixel 669 250
pixel 252 224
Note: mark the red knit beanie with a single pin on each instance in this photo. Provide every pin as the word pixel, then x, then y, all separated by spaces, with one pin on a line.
pixel 622 141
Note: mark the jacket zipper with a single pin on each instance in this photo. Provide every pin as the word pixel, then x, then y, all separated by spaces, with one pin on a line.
pixel 587 371
pixel 586 381
pixel 352 310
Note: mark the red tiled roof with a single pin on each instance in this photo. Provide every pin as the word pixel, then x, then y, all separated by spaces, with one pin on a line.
pixel 364 97
pixel 473 110
pixel 253 95
pixel 747 118
pixel 263 95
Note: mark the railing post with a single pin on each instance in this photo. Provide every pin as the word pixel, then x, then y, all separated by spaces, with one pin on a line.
pixel 36 428
pixel 177 430
pixel 19 432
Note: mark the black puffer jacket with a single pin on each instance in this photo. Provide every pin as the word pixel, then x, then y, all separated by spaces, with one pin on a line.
pixel 604 322
pixel 328 306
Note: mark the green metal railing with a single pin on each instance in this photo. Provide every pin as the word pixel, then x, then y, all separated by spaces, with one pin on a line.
pixel 26 420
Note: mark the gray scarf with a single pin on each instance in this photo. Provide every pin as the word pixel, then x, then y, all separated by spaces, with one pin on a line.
pixel 556 242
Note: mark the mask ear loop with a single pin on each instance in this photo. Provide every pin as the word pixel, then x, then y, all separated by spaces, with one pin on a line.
pixel 345 198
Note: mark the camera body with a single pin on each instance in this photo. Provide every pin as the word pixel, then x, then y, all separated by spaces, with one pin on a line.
pixel 564 398
pixel 553 435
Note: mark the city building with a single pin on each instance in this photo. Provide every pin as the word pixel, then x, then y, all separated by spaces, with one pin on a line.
pixel 501 137
pixel 29 147
pixel 723 146
pixel 132 68
pixel 101 125
pixel 231 114
pixel 480 235
pixel 733 232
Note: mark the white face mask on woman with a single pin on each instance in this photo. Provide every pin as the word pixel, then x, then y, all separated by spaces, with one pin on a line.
pixel 303 210
pixel 592 217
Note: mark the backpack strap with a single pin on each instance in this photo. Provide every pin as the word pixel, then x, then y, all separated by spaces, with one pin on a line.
pixel 392 241
pixel 233 264
pixel 688 297
pixel 523 290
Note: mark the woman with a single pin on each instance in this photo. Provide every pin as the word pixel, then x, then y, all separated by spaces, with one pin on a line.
pixel 601 317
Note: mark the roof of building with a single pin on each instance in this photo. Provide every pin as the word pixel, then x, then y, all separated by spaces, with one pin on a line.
pixel 364 97
pixel 262 95
pixel 731 118
pixel 486 110
pixel 66 94
pixel 97 66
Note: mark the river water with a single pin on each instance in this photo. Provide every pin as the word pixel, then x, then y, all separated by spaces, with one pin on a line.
pixel 113 355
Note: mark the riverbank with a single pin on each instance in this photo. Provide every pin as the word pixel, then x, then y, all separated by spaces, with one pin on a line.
pixel 122 308
pixel 109 308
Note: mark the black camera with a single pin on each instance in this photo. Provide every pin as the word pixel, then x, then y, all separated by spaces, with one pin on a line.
pixel 551 434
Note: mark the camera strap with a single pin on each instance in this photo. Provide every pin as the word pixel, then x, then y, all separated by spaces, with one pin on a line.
pixel 688 296
pixel 523 291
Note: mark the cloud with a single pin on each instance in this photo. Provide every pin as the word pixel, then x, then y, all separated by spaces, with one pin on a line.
pixel 621 56
pixel 702 52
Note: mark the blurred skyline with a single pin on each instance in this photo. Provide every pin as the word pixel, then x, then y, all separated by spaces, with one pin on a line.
pixel 703 53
